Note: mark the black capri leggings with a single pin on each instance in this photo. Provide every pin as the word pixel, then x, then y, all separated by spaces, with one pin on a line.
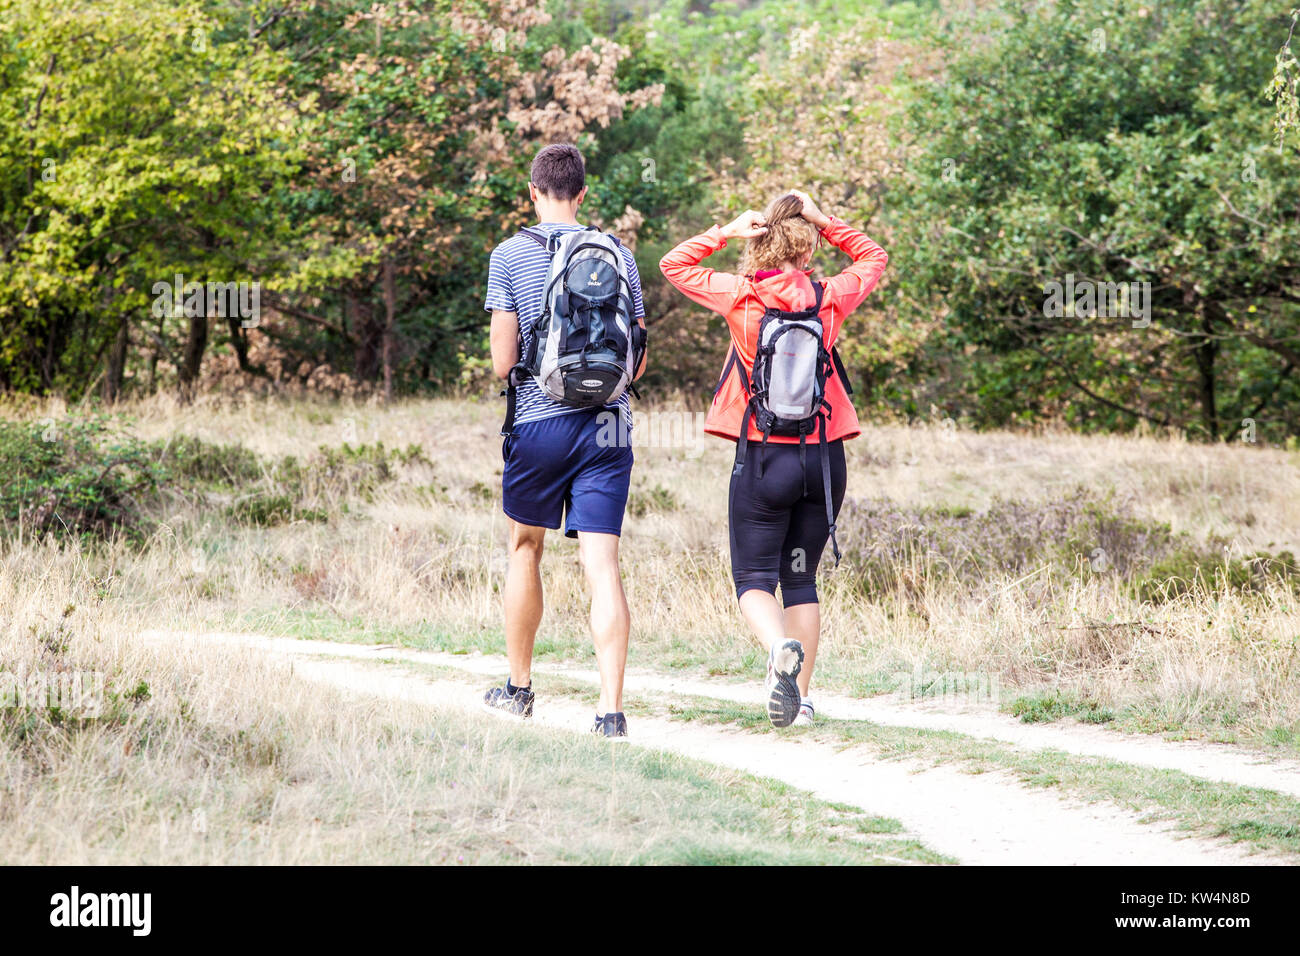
pixel 778 522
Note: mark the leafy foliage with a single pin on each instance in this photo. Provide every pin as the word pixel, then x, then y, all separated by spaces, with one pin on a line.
pixel 1281 88
pixel 195 461
pixel 134 147
pixel 1109 142
pixel 357 160
pixel 73 478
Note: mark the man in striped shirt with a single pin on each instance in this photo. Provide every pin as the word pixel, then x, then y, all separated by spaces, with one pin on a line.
pixel 555 464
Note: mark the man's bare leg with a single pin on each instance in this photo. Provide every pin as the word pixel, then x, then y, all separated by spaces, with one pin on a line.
pixel 610 621
pixel 523 599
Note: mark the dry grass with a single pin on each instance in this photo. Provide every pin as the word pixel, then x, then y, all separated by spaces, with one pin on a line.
pixel 200 755
pixel 421 560
pixel 205 757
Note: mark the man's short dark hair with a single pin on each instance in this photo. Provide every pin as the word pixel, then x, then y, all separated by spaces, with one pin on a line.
pixel 558 171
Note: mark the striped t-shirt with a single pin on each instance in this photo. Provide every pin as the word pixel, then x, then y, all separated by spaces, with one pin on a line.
pixel 516 276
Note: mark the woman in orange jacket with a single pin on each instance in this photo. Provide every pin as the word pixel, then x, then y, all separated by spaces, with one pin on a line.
pixel 777 511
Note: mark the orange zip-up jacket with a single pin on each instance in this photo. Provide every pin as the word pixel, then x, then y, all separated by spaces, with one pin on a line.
pixel 742 301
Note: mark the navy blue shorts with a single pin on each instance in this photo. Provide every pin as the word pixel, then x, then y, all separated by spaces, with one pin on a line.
pixel 559 467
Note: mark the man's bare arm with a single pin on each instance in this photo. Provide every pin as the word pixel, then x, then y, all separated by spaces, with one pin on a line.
pixel 505 342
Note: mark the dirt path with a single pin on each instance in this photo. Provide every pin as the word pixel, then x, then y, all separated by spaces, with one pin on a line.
pixel 978 819
pixel 1221 762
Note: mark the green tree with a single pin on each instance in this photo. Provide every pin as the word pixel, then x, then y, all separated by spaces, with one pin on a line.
pixel 133 147
pixel 1109 142
pixel 429 116
pixel 828 126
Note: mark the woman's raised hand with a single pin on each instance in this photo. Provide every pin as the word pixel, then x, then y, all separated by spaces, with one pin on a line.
pixel 747 225
pixel 810 210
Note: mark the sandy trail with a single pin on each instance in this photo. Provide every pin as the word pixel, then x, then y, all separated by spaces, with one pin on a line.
pixel 1222 762
pixel 978 819
pixel 1219 762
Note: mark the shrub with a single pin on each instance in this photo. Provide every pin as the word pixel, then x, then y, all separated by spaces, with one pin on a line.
pixel 361 469
pixel 887 542
pixel 268 510
pixel 890 546
pixel 73 478
pixel 189 458
pixel 658 498
pixel 1184 572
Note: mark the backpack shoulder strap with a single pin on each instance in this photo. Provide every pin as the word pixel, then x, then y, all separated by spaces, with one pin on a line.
pixel 826 488
pixel 818 291
pixel 726 370
pixel 536 237
pixel 733 363
pixel 841 371
pixel 744 375
pixel 550 242
pixel 511 394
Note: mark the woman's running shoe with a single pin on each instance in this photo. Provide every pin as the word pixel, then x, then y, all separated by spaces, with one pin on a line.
pixel 806 715
pixel 783 697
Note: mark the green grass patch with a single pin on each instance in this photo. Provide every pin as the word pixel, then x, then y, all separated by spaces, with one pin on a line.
pixel 642 502
pixel 311 623
pixel 1049 706
pixel 269 510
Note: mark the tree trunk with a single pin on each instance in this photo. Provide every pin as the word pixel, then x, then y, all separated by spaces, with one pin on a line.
pixel 154 354
pixel 195 344
pixel 1206 350
pixel 364 357
pixel 47 363
pixel 390 308
pixel 117 364
pixel 239 342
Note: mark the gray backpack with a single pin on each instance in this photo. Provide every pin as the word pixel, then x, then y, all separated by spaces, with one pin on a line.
pixel 586 345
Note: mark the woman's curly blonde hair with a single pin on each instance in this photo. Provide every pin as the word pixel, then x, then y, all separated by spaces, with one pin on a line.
pixel 789 237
